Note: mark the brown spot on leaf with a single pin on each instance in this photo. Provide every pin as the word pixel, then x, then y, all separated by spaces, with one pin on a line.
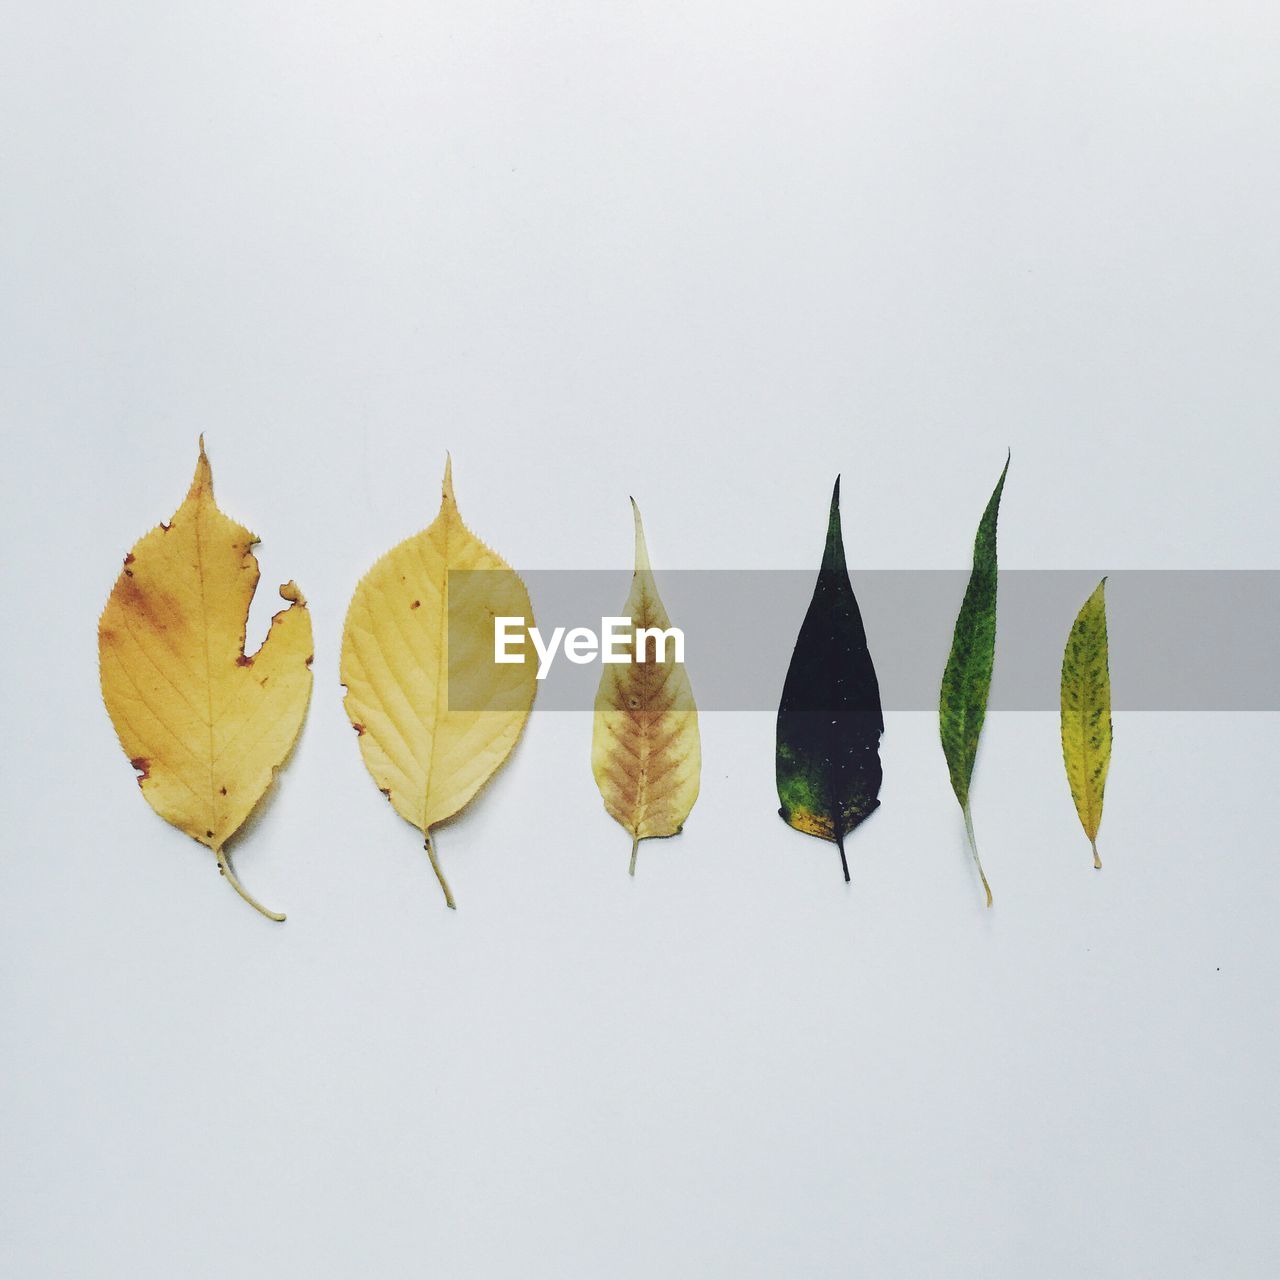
pixel 143 766
pixel 386 791
pixel 243 661
pixel 208 835
pixel 311 657
pixel 129 559
pixel 359 728
pixel 151 609
pixel 417 604
pixel 222 791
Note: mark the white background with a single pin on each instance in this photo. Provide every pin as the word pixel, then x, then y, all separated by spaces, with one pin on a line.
pixel 709 255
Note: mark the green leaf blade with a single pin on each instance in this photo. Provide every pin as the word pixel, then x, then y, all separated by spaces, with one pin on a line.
pixel 966 681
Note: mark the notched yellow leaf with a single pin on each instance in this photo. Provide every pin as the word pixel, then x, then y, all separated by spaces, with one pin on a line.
pixel 646 753
pixel 435 715
pixel 205 724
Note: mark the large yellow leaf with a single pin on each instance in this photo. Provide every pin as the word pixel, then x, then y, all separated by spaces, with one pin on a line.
pixel 435 714
pixel 645 750
pixel 205 724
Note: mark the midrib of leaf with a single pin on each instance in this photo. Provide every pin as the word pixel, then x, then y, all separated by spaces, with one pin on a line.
pixel 646 697
pixel 1085 701
pixel 441 677
pixel 204 633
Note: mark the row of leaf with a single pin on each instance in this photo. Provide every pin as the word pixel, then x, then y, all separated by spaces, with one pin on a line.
pixel 207 725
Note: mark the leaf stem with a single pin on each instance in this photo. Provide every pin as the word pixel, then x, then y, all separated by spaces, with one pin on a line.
pixel 435 866
pixel 844 862
pixel 635 848
pixel 224 866
pixel 973 846
pixel 1097 861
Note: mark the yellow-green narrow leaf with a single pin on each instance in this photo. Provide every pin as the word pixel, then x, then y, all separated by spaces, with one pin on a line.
pixel 1086 713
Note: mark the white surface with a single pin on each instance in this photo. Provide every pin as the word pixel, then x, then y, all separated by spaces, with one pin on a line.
pixel 709 255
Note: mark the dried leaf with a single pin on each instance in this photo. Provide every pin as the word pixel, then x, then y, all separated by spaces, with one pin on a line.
pixel 830 719
pixel 205 725
pixel 427 757
pixel 645 750
pixel 1086 713
pixel 966 682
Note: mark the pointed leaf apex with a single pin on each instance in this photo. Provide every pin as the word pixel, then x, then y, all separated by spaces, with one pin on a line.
pixel 642 549
pixel 446 488
pixel 833 554
pixel 202 481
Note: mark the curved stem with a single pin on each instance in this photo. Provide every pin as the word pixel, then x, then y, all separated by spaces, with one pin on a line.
pixel 1097 861
pixel 635 847
pixel 225 868
pixel 435 866
pixel 973 846
pixel 844 862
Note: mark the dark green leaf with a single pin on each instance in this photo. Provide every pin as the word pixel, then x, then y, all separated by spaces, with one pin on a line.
pixel 830 721
pixel 966 683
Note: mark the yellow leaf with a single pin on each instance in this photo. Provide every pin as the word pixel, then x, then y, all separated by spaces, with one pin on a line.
pixel 645 751
pixel 427 756
pixel 1086 713
pixel 205 725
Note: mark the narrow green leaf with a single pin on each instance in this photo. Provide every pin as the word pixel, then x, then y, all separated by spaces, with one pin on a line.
pixel 966 682
pixel 1086 713
pixel 829 720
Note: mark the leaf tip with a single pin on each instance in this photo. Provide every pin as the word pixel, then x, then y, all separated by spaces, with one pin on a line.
pixel 203 478
pixel 446 487
pixel 833 554
pixel 642 547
